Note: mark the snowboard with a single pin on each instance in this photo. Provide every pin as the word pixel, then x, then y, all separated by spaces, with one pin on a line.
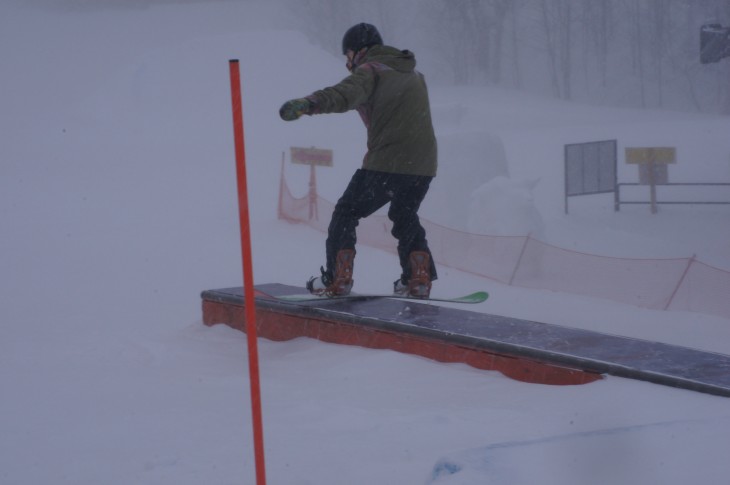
pixel 476 297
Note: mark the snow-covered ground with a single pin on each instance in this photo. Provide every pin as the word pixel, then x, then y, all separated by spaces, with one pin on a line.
pixel 118 194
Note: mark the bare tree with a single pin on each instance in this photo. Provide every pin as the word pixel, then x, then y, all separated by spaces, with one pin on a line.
pixel 516 51
pixel 500 10
pixel 637 52
pixel 659 12
pixel 597 20
pixel 558 27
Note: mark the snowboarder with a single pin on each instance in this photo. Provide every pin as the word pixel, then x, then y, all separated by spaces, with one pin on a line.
pixel 392 100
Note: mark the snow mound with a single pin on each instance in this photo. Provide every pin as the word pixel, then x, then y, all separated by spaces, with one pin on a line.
pixel 505 207
pixel 466 161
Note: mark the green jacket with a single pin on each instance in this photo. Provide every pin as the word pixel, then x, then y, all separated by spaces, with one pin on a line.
pixel 392 99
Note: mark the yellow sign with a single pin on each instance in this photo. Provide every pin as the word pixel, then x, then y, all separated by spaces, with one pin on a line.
pixel 311 156
pixel 651 155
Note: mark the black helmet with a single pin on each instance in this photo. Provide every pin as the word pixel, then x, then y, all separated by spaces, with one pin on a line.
pixel 359 36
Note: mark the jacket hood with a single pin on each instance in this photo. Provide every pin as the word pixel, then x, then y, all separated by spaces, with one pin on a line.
pixel 400 60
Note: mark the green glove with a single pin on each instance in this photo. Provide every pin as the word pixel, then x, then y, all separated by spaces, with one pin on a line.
pixel 293 109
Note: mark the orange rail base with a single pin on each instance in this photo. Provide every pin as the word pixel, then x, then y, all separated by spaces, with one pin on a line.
pixel 277 324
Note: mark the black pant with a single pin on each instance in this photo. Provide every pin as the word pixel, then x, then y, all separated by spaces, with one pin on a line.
pixel 367 192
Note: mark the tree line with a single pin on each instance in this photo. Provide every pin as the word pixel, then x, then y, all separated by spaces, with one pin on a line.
pixel 637 53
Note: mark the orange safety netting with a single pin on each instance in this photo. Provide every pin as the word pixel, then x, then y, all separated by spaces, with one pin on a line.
pixel 682 284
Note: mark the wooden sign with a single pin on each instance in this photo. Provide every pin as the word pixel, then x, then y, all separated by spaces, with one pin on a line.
pixel 311 156
pixel 651 155
pixel 653 172
pixel 649 161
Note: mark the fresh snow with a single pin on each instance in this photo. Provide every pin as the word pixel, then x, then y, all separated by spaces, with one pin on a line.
pixel 119 208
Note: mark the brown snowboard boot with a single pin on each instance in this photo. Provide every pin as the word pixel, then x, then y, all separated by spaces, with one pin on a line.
pixel 338 284
pixel 419 285
pixel 342 282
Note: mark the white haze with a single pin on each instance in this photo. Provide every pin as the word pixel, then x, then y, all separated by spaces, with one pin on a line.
pixel 119 207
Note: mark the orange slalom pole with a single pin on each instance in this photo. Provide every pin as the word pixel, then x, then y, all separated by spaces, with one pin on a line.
pixel 248 289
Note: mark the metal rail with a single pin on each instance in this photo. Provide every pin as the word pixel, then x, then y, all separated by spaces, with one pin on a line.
pixel 619 202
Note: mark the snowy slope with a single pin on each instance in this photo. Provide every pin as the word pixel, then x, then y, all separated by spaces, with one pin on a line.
pixel 119 206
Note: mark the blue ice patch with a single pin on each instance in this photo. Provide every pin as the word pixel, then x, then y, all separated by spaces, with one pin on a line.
pixel 444 468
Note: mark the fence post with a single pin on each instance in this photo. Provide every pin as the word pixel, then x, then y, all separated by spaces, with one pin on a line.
pixel 679 283
pixel 519 260
pixel 280 204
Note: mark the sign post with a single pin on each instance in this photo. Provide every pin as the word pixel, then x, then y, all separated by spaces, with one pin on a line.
pixel 312 157
pixel 652 162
